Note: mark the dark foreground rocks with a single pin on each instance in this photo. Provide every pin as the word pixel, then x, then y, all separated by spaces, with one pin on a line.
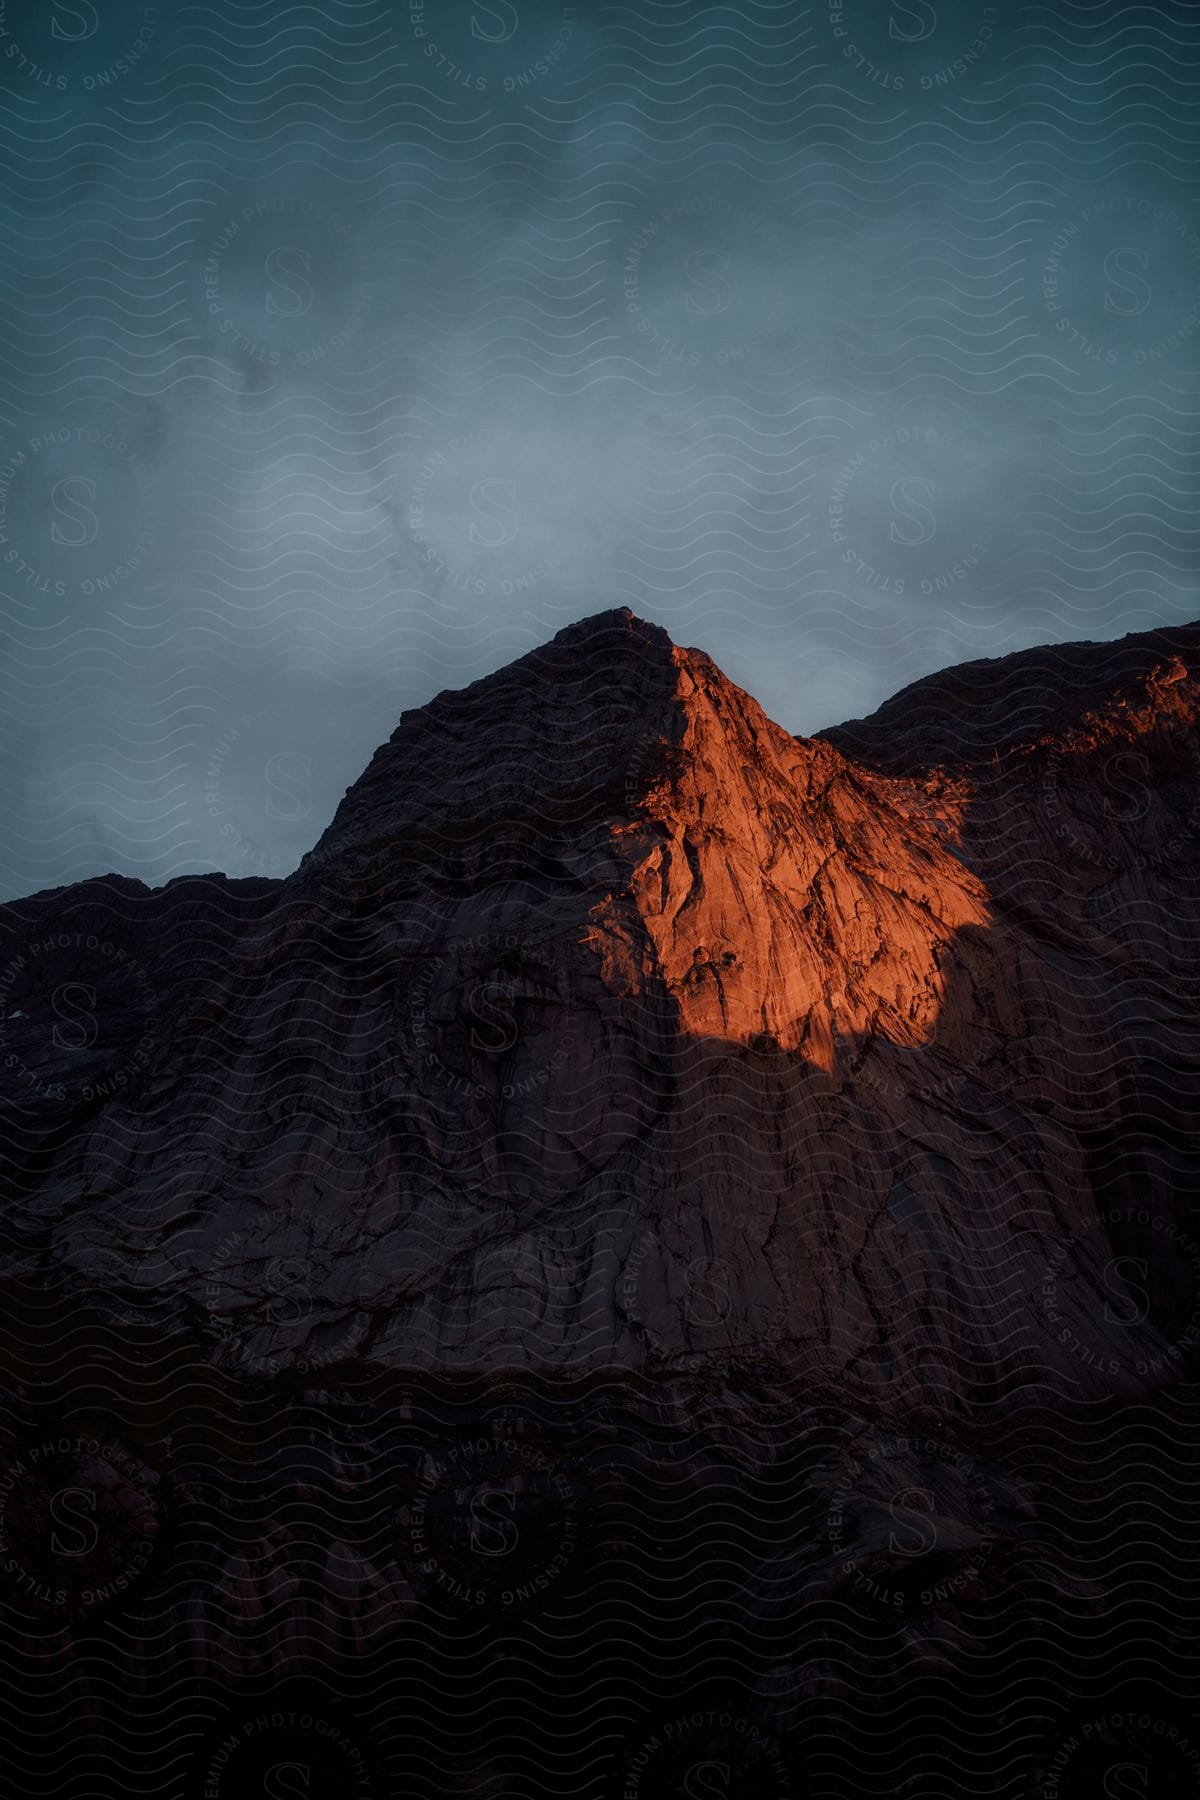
pixel 662 1260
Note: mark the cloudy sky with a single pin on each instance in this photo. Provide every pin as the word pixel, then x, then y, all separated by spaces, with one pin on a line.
pixel 350 349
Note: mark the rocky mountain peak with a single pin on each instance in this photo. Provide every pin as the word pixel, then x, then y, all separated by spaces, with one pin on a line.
pixel 602 990
pixel 549 744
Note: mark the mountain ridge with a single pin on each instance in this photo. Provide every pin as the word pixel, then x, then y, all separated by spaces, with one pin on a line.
pixel 601 988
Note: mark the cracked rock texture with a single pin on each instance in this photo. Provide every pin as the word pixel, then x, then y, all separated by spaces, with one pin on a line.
pixel 609 1026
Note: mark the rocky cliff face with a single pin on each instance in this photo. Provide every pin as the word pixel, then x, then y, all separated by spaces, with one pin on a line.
pixel 610 1026
pixel 665 1253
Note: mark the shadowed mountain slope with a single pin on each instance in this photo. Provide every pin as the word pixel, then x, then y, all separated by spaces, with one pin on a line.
pixel 609 1026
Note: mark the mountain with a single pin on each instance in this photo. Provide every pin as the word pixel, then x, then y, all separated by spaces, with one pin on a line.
pixel 664 1250
pixel 610 1026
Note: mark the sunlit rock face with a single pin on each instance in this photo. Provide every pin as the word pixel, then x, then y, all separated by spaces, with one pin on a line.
pixel 609 1025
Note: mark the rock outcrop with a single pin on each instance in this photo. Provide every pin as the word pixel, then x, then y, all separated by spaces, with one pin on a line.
pixel 609 1026
pixel 662 1258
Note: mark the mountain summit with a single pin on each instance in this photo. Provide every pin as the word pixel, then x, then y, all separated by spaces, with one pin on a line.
pixel 610 1026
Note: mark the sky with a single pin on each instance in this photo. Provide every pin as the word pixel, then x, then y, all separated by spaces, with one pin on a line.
pixel 350 350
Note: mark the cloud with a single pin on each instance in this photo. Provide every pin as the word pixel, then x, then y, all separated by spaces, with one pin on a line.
pixel 361 353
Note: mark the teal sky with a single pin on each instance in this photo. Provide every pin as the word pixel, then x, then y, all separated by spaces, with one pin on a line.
pixel 350 350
